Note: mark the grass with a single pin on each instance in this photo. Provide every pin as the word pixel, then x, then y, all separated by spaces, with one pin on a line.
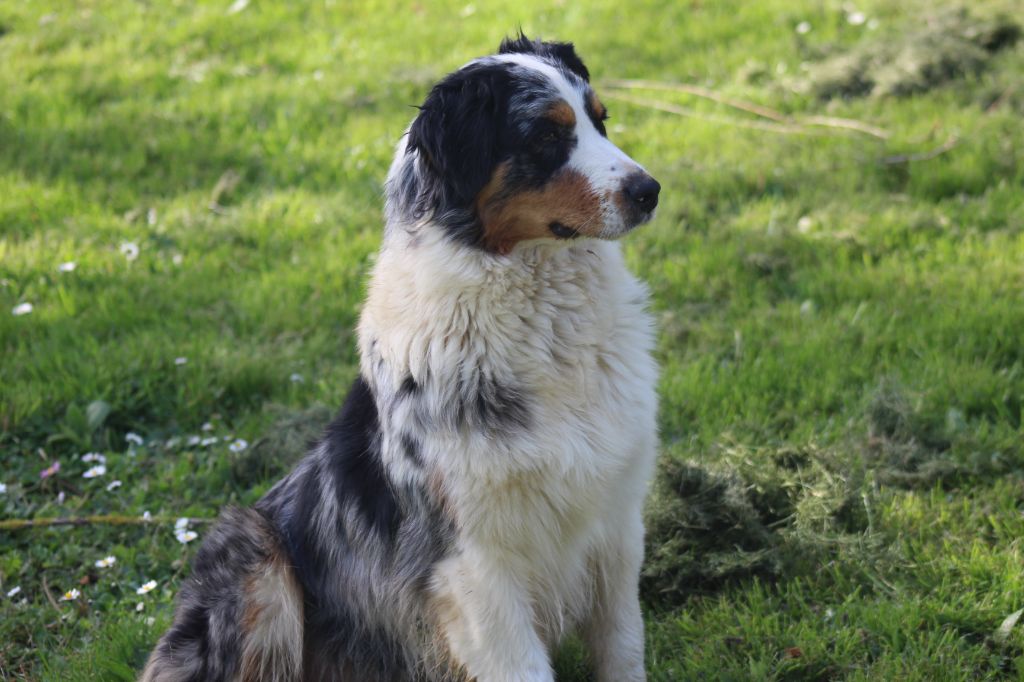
pixel 841 337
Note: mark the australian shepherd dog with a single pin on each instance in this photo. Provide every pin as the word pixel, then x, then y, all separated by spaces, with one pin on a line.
pixel 479 495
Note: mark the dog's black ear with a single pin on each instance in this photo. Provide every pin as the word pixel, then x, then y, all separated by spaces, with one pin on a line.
pixel 458 135
pixel 562 52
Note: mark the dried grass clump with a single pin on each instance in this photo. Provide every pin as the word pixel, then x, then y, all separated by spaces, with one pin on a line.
pixel 951 45
pixel 776 512
pixel 702 529
pixel 755 512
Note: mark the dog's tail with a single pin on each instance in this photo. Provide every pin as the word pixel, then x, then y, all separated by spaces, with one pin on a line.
pixel 239 616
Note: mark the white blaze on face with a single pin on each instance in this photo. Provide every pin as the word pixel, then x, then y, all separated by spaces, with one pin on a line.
pixel 604 165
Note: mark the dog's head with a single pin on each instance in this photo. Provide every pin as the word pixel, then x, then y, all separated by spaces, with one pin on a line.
pixel 513 147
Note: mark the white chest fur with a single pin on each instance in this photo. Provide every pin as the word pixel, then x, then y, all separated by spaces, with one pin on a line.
pixel 560 336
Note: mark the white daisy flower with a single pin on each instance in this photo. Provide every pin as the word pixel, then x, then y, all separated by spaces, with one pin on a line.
pixel 207 427
pixel 94 457
pixel 3 488
pixel 856 18
pixel 140 606
pixel 14 591
pixel 130 250
pixel 71 595
pixel 113 485
pixel 181 524
pixel 106 562
pixel 192 441
pixel 146 516
pixel 208 441
pixel 239 445
pixel 21 309
pixel 803 28
pixel 179 361
pixel 177 259
pixel 133 438
pixel 68 266
pixel 186 536
pixel 146 587
pixel 95 471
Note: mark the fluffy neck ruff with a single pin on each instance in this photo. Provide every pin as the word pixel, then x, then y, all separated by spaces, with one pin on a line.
pixel 490 337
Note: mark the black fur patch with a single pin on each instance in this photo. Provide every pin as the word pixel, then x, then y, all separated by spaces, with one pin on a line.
pixel 460 134
pixel 499 407
pixel 560 53
pixel 411 448
pixel 352 444
pixel 408 388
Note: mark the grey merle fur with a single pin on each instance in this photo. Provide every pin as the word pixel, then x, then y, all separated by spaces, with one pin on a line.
pixel 360 548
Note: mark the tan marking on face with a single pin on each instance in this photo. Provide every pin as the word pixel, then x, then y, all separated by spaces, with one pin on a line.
pixel 596 105
pixel 621 201
pixel 567 198
pixel 561 113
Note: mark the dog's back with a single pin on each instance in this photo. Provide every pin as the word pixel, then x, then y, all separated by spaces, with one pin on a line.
pixel 321 580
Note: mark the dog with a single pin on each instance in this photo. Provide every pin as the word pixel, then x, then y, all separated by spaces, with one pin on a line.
pixel 479 495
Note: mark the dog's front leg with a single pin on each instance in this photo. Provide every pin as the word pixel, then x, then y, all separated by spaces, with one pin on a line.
pixel 487 619
pixel 615 629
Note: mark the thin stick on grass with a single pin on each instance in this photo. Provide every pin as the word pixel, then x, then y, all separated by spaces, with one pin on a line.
pixel 751 107
pixel 96 520
pixel 898 159
pixel 698 91
pixel 783 128
pixel 846 124
pixel 49 596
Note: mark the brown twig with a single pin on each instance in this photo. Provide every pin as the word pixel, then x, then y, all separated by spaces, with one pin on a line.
pixel 751 107
pixel 784 128
pixel 100 519
pixel 998 101
pixel 49 595
pixel 846 124
pixel 699 91
pixel 921 156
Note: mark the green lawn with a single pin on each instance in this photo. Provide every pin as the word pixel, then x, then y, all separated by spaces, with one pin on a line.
pixel 841 314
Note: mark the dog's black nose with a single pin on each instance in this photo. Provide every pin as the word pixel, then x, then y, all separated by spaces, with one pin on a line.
pixel 642 190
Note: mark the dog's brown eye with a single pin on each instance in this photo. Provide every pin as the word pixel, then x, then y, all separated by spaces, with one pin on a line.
pixel 549 137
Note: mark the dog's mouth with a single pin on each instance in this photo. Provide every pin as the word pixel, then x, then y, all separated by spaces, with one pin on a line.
pixel 563 231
